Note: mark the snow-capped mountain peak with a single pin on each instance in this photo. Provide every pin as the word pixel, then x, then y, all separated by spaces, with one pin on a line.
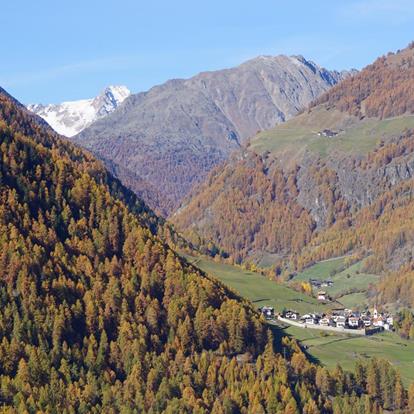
pixel 70 118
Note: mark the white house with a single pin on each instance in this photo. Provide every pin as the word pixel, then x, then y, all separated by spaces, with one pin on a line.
pixel 321 295
pixel 268 312
pixel 340 322
pixel 353 322
pixel 390 320
pixel 366 322
pixel 292 315
pixel 325 321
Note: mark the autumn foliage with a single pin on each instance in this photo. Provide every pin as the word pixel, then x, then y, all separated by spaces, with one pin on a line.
pixel 98 314
pixel 383 89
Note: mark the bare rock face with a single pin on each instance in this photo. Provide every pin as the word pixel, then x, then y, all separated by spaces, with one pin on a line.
pixel 171 136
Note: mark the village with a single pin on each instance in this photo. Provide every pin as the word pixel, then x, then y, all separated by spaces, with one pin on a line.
pixel 341 319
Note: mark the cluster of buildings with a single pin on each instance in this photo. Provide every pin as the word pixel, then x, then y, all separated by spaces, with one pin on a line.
pixel 318 284
pixel 328 133
pixel 345 318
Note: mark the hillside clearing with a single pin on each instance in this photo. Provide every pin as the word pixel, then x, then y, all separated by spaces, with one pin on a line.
pixel 257 288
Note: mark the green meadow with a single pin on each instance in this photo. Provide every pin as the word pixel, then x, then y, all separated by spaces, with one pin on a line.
pixel 331 349
pixel 293 138
pixel 327 349
pixel 349 282
pixel 257 288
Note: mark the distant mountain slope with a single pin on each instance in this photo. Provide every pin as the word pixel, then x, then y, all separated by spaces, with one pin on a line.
pixel 328 182
pixel 170 137
pixel 384 89
pixel 69 118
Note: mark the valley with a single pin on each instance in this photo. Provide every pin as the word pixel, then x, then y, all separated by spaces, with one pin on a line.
pixel 257 288
pixel 329 349
pixel 235 238
pixel 336 180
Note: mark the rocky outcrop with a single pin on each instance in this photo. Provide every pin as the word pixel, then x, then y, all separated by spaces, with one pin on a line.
pixel 254 204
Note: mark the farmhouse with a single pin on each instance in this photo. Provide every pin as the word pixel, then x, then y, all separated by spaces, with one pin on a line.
pixel 292 315
pixel 366 321
pixel 325 321
pixel 379 321
pixel 322 295
pixel 311 318
pixel 328 133
pixel 340 322
pixel 353 322
pixel 268 312
pixel 317 283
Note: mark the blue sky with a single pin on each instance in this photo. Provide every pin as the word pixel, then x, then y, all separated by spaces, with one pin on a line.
pixel 63 50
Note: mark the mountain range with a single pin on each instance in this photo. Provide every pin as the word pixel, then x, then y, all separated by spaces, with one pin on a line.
pixel 99 314
pixel 70 118
pixel 103 306
pixel 162 142
pixel 336 180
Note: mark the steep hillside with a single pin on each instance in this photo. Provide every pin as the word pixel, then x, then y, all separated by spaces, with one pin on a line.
pixel 384 89
pixel 164 141
pixel 330 181
pixel 70 118
pixel 98 315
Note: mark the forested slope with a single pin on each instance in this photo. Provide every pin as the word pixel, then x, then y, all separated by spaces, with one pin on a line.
pixel 302 196
pixel 98 314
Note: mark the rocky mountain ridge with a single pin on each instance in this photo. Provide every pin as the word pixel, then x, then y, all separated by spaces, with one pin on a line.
pixel 302 196
pixel 171 136
pixel 70 118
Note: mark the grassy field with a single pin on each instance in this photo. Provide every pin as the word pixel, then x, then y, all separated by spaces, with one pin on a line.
pixel 321 270
pixel 345 350
pixel 293 138
pixel 260 290
pixel 354 300
pixel 325 349
pixel 344 278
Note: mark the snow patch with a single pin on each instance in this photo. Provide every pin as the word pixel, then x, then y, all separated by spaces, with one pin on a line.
pixel 71 117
